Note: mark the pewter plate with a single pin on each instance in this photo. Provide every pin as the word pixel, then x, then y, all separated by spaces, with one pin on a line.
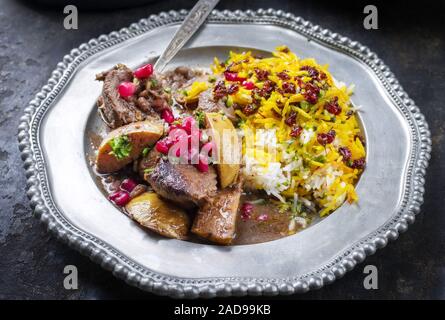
pixel 53 139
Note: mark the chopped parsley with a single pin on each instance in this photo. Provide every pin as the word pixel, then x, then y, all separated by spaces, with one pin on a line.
pixel 148 170
pixel 154 82
pixel 321 159
pixel 200 117
pixel 305 105
pixel 145 151
pixel 120 146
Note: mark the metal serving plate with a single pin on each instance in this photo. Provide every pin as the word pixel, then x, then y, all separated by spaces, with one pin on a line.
pixel 54 145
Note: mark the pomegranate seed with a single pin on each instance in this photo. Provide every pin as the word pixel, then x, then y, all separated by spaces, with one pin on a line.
pixel 333 107
pixel 203 164
pixel 126 89
pixel 120 198
pixel 296 131
pixel 263 217
pixel 207 148
pixel 188 123
pixel 144 71
pixel 345 153
pixel 162 146
pixel 248 85
pixel 358 163
pixel 193 156
pixel 167 115
pixel 233 76
pixel 246 211
pixel 177 134
pixel 128 185
pixel 233 88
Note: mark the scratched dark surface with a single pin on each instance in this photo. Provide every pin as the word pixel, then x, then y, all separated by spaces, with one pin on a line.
pixel 410 39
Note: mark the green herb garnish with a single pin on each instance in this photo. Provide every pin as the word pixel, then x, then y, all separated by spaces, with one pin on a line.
pixel 229 102
pixel 121 147
pixel 145 151
pixel 148 170
pixel 200 117
pixel 305 105
pixel 212 79
pixel 154 82
pixel 321 159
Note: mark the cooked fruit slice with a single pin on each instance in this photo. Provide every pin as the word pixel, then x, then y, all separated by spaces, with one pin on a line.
pixel 125 144
pixel 216 220
pixel 158 215
pixel 227 146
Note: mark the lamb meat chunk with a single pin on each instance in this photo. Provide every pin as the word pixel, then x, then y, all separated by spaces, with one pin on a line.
pixel 181 183
pixel 216 219
pixel 149 162
pixel 208 104
pixel 117 111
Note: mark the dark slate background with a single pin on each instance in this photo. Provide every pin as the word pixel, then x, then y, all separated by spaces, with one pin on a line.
pixel 410 40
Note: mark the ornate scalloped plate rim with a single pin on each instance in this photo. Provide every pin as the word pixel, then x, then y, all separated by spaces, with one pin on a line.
pixel 134 274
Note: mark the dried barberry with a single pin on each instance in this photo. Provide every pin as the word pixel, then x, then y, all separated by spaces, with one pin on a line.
pixel 357 163
pixel 220 90
pixel 261 74
pixel 291 119
pixel 345 153
pixel 333 107
pixel 249 109
pixel 283 75
pixel 326 138
pixel 289 87
pixel 313 73
pixel 232 89
pixel 296 131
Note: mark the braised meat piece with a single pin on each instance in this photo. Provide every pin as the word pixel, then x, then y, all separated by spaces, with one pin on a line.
pixel 207 103
pixel 117 111
pixel 181 183
pixel 149 162
pixel 216 220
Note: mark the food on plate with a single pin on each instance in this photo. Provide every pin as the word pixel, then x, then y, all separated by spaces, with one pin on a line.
pixel 158 215
pixel 226 142
pixel 216 219
pixel 125 144
pixel 251 150
pixel 182 184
